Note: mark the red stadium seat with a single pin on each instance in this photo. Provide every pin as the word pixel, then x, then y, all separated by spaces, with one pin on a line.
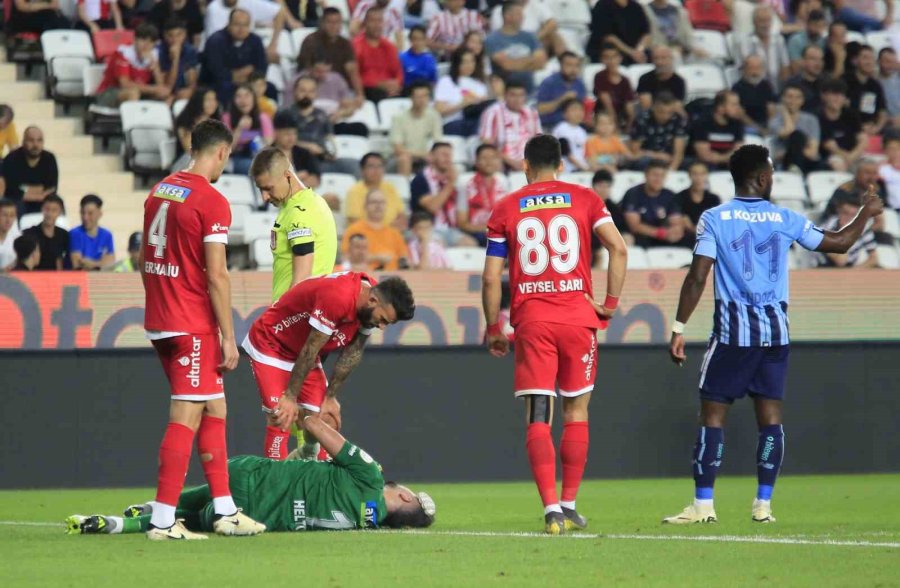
pixel 107 42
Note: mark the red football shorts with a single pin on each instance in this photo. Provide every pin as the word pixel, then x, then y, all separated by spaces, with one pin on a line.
pixel 191 363
pixel 551 355
pixel 273 381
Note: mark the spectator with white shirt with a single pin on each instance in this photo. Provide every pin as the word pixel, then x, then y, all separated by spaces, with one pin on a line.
pixel 425 252
pixel 509 124
pixel 448 29
pixel 393 19
pixel 572 136
pixel 866 244
pixel 9 232
pixel 96 15
pixel 460 96
pixel 768 45
pixel 481 193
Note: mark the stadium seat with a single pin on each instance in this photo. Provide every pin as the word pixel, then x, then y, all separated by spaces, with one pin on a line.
pixel 261 253
pixel 517 180
pixel 578 178
pixel 108 42
pixel 588 74
pixel 677 181
pixel 624 181
pixel 668 257
pixel 178 106
pixel 878 40
pixel 634 72
pixel 572 14
pixel 891 222
pixel 796 205
pixel 401 183
pixel 466 259
pixel 299 35
pixel 167 152
pixel 367 115
pixel 822 184
pixel 460 149
pixel 146 124
pixel 548 70
pixel 788 186
pixel 574 37
pixel 637 258
pixel 99 120
pixel 703 80
pixel 337 184
pixel 390 107
pixel 92 76
pixel 755 140
pixel 239 215
pixel 237 189
pixel 714 43
pixel 721 184
pixel 66 53
pixel 853 36
pixel 351 146
pixel 888 257
pixel 258 225
pixel 30 220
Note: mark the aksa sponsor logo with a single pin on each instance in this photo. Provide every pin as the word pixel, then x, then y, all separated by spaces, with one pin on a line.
pixel 193 374
pixel 530 203
pixel 172 192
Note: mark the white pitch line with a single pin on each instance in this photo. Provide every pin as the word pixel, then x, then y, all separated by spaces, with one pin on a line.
pixel 784 540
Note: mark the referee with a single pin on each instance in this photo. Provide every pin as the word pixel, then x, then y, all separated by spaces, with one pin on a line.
pixel 304 237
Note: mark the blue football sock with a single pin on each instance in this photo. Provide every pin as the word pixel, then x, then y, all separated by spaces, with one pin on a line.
pixel 769 455
pixel 708 453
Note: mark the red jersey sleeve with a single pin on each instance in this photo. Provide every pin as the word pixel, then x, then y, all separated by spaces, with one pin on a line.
pixel 496 228
pixel 599 214
pixel 216 221
pixel 331 307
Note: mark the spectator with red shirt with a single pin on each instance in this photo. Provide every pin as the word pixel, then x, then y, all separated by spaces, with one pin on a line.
pixel 95 15
pixel 509 124
pixel 133 73
pixel 378 59
pixel 713 15
pixel 613 90
pixel 481 193
pixel 434 191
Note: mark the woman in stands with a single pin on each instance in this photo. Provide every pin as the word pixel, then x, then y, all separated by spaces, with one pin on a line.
pixel 252 129
pixel 460 97
pixel 202 105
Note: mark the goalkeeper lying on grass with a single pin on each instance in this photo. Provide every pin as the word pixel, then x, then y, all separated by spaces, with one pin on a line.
pixel 346 493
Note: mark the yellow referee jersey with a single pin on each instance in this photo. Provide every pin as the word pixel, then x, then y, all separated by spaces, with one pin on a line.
pixel 305 222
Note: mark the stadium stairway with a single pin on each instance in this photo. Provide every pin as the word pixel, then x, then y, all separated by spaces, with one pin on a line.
pixel 81 170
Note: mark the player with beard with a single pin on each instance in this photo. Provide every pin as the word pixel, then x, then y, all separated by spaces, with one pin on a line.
pixel 287 343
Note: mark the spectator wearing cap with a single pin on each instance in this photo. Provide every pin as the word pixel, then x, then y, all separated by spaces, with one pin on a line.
pixel 560 87
pixel 9 232
pixel 813 34
pixel 756 94
pixel 842 140
pixel 515 54
pixel 90 245
pixel 767 44
pixel 810 78
pixel 651 210
pixel 52 239
pixel 132 262
pixel 660 134
pixel 413 131
pixel 418 63
pixel 28 254
pixel 379 62
pixel 188 11
pixel 327 43
pixel 718 135
pixel 304 162
pixel 662 79
pixel 30 172
pixel 372 168
pixel 134 72
pixel 231 55
pixel 95 15
pixel 425 251
pixel 622 23
pixel 178 60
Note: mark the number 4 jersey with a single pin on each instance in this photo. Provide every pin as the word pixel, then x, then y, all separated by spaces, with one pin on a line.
pixel 750 239
pixel 545 231
pixel 181 214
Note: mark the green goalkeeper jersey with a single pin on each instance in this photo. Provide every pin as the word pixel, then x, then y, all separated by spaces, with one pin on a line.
pixel 346 493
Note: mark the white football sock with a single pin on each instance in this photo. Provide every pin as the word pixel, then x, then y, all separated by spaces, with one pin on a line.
pixel 703 502
pixel 117 525
pixel 163 515
pixel 224 505
pixel 552 508
pixel 567 504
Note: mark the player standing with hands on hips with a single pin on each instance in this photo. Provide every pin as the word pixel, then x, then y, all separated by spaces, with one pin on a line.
pixel 748 240
pixel 545 231
pixel 188 307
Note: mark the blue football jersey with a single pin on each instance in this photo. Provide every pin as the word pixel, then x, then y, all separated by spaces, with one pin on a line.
pixel 750 239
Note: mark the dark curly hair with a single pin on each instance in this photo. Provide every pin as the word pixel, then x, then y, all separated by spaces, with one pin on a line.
pixel 395 291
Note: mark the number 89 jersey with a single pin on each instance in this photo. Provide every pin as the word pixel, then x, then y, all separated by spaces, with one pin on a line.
pixel 545 231
pixel 181 214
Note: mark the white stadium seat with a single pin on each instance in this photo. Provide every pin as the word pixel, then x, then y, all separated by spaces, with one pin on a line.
pixel 888 257
pixel 390 107
pixel 66 54
pixel 891 222
pixel 583 179
pixel 571 13
pixel 822 184
pixel 351 146
pixel 299 35
pixel 237 189
pixel 788 186
pixel 676 181
pixel 703 80
pixel 401 183
pixel 367 114
pixel 146 125
pixel 714 43
pixel 261 253
pixel 258 225
pixel 32 219
pixel 879 40
pixel 668 257
pixel 548 70
pixel 637 258
pixel 178 107
pixel 460 149
pixel 92 76
pixel 239 215
pixel 517 180
pixel 634 72
pixel 337 184
pixel 574 38
pixel 589 73
pixel 721 184
pixel 466 259
pixel 624 181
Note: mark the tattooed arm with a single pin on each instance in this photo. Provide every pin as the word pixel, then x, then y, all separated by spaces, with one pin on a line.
pixel 286 411
pixel 346 363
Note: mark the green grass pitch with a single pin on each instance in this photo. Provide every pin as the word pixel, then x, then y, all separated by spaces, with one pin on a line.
pixel 831 531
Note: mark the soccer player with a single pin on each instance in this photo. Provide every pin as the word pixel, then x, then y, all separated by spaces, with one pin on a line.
pixel 748 240
pixel 304 238
pixel 188 307
pixel 287 342
pixel 346 493
pixel 545 231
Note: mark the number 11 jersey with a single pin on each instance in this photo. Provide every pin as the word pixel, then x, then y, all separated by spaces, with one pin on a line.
pixel 545 230
pixel 181 213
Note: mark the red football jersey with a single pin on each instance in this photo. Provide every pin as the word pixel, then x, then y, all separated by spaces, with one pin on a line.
pixel 182 213
pixel 547 228
pixel 324 303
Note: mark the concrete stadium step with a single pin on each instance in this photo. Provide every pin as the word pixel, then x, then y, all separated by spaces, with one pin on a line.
pixel 53 127
pixel 99 164
pixel 20 92
pixel 69 146
pixel 107 185
pixel 7 72
pixel 26 112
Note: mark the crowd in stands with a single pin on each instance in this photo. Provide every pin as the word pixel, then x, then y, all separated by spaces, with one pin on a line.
pixel 487 75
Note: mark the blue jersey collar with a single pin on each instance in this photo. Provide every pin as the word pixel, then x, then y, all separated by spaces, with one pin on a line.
pixel 748 198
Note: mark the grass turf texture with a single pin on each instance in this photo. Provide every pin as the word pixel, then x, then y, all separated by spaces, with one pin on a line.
pixel 815 509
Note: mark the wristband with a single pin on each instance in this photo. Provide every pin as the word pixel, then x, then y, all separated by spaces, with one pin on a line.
pixel 678 327
pixel 660 233
pixel 611 302
pixel 494 330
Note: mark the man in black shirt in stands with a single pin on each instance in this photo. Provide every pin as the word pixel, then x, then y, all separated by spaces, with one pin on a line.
pixel 30 172
pixel 52 240
pixel 721 133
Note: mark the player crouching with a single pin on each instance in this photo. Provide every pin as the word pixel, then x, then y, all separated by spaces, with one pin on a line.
pixel 287 343
pixel 348 492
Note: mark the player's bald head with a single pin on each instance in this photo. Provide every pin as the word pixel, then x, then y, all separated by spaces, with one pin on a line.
pixel 270 160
